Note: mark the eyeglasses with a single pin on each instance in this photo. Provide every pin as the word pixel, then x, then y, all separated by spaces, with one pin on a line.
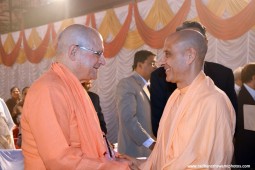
pixel 98 53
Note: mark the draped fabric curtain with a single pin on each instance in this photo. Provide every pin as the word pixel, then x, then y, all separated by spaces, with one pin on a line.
pixel 26 54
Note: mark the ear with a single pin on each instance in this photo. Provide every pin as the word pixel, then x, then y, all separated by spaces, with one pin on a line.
pixel 191 55
pixel 139 65
pixel 253 78
pixel 72 51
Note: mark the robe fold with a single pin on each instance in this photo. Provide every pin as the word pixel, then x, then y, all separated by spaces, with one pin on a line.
pixel 60 128
pixel 196 128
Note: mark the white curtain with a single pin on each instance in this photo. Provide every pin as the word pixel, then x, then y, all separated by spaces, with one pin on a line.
pixel 232 53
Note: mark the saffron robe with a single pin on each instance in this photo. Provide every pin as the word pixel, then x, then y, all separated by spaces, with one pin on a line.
pixel 197 128
pixel 60 128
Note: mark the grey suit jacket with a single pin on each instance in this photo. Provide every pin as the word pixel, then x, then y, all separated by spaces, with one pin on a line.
pixel 134 113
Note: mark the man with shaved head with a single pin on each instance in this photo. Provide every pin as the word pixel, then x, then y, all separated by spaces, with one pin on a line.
pixel 60 127
pixel 160 89
pixel 198 122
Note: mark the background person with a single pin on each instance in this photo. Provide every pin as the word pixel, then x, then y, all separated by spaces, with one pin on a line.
pixel 96 103
pixel 17 111
pixel 245 121
pixel 135 136
pixel 15 98
pixel 238 80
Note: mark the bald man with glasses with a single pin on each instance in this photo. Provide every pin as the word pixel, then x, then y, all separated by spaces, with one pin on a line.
pixel 59 124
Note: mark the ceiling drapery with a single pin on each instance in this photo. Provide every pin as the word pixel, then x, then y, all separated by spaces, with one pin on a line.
pixel 113 47
pixel 145 33
pixel 40 50
pixel 155 39
pixel 9 58
pixel 229 28
pixel 118 29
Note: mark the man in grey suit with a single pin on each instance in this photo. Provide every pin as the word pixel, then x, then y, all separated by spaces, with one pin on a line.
pixel 135 137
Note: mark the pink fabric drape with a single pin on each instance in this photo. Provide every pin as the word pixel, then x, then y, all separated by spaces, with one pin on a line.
pixel 156 39
pixel 230 28
pixel 36 55
pixel 9 59
pixel 224 29
pixel 112 48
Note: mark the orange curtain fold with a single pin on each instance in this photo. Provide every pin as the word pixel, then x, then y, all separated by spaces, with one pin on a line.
pixel 230 28
pixel 87 22
pixel 9 59
pixel 112 48
pixel 53 33
pixel 90 19
pixel 54 36
pixel 51 49
pixel 153 38
pixel 220 28
pixel 36 55
pixel 93 20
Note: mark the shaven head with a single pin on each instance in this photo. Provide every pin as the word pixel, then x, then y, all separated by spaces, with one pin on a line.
pixel 190 39
pixel 80 48
pixel 192 25
pixel 77 35
pixel 184 56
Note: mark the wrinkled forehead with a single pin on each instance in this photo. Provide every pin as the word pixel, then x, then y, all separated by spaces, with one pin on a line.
pixel 93 41
pixel 80 35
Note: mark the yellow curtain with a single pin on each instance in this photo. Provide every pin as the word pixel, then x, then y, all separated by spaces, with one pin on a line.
pixel 8 58
pixel 229 28
pixel 221 18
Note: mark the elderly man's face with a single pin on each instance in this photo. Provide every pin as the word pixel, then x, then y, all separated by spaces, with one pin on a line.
pixel 89 62
pixel 175 61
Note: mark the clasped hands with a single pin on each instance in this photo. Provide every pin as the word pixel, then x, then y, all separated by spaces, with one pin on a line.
pixel 132 162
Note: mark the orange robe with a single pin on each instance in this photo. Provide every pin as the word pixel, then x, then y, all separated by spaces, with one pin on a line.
pixel 196 128
pixel 60 128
